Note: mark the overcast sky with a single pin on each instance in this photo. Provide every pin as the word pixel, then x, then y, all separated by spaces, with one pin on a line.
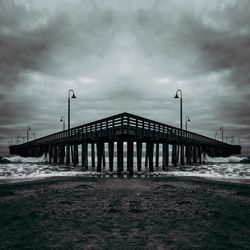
pixel 124 56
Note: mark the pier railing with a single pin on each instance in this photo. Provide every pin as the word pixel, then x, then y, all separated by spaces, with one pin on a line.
pixel 126 124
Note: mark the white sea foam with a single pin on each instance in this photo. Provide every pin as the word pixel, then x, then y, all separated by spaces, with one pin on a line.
pixel 214 171
pixel 232 159
pixel 19 159
pixel 22 168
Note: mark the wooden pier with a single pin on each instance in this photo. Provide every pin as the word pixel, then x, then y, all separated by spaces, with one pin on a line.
pixel 125 137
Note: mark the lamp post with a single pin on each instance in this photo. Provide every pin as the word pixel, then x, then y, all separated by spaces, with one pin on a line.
pixel 28 129
pixel 187 120
pixel 215 135
pixel 222 131
pixel 73 96
pixel 239 140
pixel 176 96
pixel 63 120
pixel 68 149
pixel 232 137
pixel 182 146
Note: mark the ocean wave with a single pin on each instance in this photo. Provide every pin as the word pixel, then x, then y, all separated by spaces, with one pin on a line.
pixel 230 159
pixel 19 159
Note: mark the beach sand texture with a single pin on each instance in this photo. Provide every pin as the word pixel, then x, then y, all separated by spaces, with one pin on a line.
pixel 136 213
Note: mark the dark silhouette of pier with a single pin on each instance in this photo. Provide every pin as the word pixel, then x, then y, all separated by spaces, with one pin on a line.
pixel 186 147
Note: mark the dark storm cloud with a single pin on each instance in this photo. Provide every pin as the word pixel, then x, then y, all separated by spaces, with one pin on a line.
pixel 20 48
pixel 124 56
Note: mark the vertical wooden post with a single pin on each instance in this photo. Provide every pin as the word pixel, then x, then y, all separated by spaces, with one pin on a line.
pixel 182 154
pixel 85 156
pixel 111 155
pixel 130 157
pixel 177 153
pixel 151 156
pixel 146 157
pixel 199 153
pixel 100 147
pixel 50 153
pixel 55 154
pixel 67 154
pixel 75 154
pixel 139 155
pixel 174 151
pixel 72 152
pixel 93 155
pixel 194 154
pixel 119 157
pixel 204 152
pixel 60 153
pixel 157 156
pixel 188 156
pixel 104 156
pixel 165 156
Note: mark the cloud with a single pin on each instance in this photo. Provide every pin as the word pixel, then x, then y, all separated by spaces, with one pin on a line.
pixel 124 56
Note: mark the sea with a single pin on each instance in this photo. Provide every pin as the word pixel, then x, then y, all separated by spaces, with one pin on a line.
pixel 228 169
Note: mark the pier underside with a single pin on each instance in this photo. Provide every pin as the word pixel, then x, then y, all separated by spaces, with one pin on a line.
pixel 130 143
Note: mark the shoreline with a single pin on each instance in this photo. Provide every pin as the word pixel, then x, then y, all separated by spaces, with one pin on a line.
pixel 39 179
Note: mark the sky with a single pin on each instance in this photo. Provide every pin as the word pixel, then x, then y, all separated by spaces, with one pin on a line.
pixel 124 56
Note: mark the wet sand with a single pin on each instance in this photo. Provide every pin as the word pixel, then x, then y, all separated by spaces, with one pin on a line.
pixel 136 213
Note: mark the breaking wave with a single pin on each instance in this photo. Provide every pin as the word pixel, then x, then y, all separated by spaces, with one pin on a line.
pixel 230 159
pixel 19 159
pixel 28 168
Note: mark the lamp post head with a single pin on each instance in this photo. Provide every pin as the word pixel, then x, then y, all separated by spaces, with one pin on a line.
pixel 176 95
pixel 73 96
pixel 188 119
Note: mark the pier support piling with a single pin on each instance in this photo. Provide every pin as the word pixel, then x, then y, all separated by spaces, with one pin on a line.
pixel 139 155
pixel 111 155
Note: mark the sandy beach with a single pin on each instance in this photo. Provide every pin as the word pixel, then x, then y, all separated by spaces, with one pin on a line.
pixel 137 213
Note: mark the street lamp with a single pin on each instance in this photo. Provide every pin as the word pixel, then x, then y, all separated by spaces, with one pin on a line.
pixel 73 96
pixel 187 120
pixel 239 141
pixel 232 137
pixel 28 129
pixel 176 96
pixel 222 137
pixel 63 120
pixel 215 135
pixel 67 148
pixel 182 146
